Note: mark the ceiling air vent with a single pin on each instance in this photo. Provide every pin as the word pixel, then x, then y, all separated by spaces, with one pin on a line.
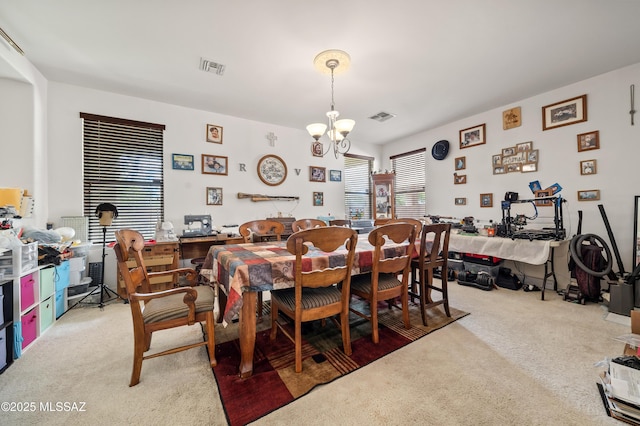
pixel 382 116
pixel 210 66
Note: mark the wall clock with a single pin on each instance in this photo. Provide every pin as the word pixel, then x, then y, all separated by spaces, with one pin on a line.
pixel 272 170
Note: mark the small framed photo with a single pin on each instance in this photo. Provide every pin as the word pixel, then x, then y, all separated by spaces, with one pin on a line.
pixel 531 156
pixel 496 160
pixel 589 195
pixel 588 167
pixel 486 200
pixel 214 164
pixel 515 167
pixel 335 175
pixel 318 198
pixel 524 146
pixel 461 201
pixel 214 196
pixel 461 163
pixel 535 186
pixel 588 141
pixel 544 193
pixel 317 149
pixel 214 133
pixel 499 170
pixel 459 179
pixel 508 151
pixel 182 161
pixel 564 113
pixel 472 136
pixel 555 188
pixel 317 174
pixel 529 167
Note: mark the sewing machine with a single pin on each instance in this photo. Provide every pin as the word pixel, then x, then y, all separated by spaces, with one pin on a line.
pixel 197 226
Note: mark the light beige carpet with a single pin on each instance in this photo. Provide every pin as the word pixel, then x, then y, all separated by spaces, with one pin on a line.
pixel 514 360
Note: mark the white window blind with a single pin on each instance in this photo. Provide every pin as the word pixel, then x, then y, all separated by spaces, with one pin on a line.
pixel 410 184
pixel 357 186
pixel 123 166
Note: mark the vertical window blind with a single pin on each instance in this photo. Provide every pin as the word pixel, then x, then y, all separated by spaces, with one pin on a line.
pixel 357 186
pixel 410 184
pixel 123 166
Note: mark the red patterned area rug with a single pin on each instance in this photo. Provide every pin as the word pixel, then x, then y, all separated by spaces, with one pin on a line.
pixel 323 359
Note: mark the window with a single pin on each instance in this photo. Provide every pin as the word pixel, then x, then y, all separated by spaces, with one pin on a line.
pixel 410 184
pixel 357 186
pixel 123 166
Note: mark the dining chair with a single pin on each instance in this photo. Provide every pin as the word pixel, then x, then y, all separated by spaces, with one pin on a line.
pixel 302 224
pixel 340 222
pixel 161 310
pixel 261 227
pixel 381 221
pixel 320 293
pixel 389 278
pixel 418 225
pixel 434 252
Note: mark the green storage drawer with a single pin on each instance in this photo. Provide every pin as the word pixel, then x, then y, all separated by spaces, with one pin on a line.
pixel 46 314
pixel 47 282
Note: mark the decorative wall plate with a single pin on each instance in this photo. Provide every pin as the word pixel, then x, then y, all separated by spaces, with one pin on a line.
pixel 272 170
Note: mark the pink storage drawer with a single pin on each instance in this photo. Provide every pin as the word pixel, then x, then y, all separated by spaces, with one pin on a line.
pixel 29 327
pixel 27 291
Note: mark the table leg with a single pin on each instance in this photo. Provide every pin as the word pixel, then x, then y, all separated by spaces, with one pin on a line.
pixel 548 274
pixel 247 333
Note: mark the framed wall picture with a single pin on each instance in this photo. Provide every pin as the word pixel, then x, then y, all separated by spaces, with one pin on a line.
pixel 535 186
pixel 472 136
pixel 588 141
pixel 486 200
pixel 461 201
pixel 529 167
pixel 214 133
pixel 531 156
pixel 317 174
pixel 564 113
pixel 214 196
pixel 459 179
pixel 508 151
pixel 272 170
pixel 544 193
pixel 499 170
pixel 182 161
pixel 496 160
pixel 511 118
pixel 460 163
pixel 524 146
pixel 335 175
pixel 214 164
pixel 318 198
pixel 589 195
pixel 588 167
pixel 317 149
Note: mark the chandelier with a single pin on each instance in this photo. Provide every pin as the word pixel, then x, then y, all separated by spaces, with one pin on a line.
pixel 333 62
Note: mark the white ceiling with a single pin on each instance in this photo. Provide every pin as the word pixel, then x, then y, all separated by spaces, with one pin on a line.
pixel 428 61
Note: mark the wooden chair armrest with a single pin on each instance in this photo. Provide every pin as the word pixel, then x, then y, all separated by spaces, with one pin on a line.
pixel 189 298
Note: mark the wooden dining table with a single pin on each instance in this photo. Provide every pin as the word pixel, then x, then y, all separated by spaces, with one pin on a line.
pixel 243 270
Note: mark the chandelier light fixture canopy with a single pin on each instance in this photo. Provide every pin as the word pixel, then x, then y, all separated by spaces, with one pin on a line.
pixel 332 62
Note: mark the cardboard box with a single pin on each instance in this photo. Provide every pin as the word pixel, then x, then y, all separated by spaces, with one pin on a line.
pixel 635 329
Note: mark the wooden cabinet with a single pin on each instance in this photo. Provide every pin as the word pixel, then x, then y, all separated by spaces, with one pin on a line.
pixel 384 195
pixel 158 257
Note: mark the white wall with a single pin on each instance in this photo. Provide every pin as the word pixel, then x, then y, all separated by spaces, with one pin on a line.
pixel 608 108
pixel 244 141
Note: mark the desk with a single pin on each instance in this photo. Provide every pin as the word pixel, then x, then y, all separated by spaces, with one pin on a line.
pixel 192 247
pixel 536 252
pixel 245 269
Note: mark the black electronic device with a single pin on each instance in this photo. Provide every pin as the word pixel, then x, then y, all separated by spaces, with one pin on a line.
pixel 513 227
